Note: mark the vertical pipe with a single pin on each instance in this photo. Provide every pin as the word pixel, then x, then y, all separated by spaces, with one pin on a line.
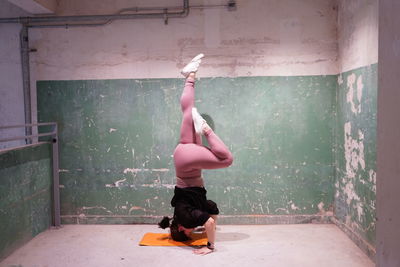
pixel 56 181
pixel 24 46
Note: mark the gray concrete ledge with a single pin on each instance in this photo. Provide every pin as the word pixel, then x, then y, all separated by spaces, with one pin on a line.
pixel 222 219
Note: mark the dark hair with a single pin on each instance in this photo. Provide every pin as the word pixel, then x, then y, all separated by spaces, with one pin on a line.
pixel 175 233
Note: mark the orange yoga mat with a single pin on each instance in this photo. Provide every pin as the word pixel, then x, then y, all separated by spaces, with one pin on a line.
pixel 160 239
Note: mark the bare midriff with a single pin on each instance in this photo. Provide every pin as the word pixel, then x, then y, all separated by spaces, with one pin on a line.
pixel 189 182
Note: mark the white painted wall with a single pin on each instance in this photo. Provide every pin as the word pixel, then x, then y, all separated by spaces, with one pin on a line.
pixel 261 38
pixel 357 33
pixel 11 92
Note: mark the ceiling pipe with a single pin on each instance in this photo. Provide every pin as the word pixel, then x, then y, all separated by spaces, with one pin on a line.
pixel 98 20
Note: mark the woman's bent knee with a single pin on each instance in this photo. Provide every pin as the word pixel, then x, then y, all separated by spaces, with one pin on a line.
pixel 229 159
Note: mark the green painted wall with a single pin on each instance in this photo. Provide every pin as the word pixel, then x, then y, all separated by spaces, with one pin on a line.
pixel 355 185
pixel 117 139
pixel 25 195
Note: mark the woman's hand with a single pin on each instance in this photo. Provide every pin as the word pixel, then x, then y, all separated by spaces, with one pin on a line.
pixel 210 231
pixel 202 251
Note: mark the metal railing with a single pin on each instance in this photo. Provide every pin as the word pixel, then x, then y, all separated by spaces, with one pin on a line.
pixel 53 134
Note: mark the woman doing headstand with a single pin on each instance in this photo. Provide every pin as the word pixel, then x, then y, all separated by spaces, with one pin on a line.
pixel 191 207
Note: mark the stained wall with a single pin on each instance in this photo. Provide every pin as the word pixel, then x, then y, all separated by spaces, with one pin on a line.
pixel 25 194
pixel 356 121
pixel 117 139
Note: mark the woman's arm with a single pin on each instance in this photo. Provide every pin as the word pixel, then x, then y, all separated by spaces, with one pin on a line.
pixel 210 231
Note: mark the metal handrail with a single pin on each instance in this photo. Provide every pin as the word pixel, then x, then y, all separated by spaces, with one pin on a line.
pixel 31 136
pixel 28 125
pixel 27 137
pixel 55 160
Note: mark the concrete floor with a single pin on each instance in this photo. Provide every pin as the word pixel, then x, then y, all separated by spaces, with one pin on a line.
pixel 237 245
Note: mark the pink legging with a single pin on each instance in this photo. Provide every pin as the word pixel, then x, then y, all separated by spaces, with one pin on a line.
pixel 190 156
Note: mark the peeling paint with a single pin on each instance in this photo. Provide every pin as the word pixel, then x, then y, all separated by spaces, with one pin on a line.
pixel 354 151
pixel 340 79
pixel 129 170
pixel 282 209
pixel 321 207
pixel 360 86
pixel 294 207
pixel 170 186
pixel 351 80
pixel 354 155
pixel 350 192
pixel 160 170
pixel 360 211
pixel 133 170
pixel 118 183
pixel 355 187
pixel 135 208
pixel 94 207
pixel 372 179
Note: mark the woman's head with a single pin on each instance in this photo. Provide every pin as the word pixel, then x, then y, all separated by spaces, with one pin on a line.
pixel 177 231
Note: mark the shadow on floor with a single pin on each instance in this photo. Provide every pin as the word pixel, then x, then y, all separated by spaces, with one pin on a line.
pixel 226 237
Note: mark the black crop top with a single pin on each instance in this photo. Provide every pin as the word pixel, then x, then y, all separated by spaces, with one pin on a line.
pixel 192 208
